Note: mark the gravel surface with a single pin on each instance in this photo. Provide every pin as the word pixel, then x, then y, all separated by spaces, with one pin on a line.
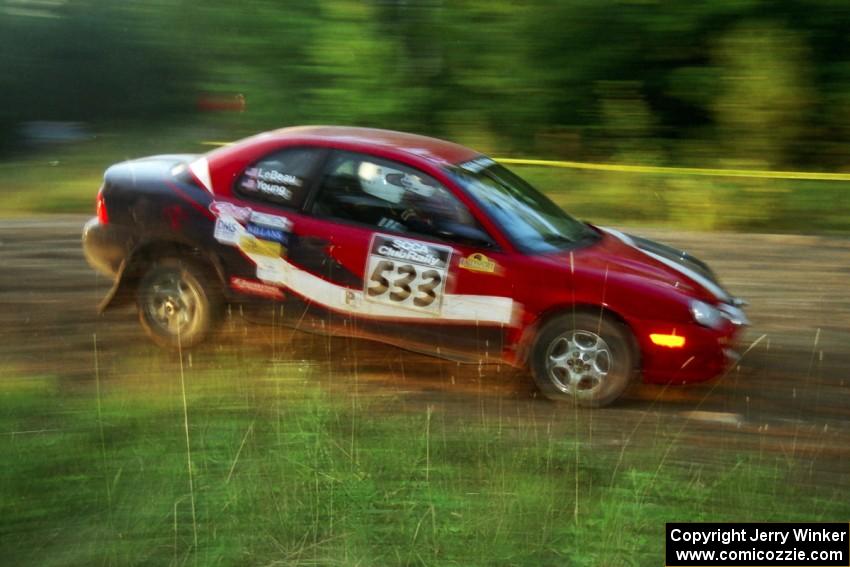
pixel 790 393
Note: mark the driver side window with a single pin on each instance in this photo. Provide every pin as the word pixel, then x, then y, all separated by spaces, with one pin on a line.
pixel 388 196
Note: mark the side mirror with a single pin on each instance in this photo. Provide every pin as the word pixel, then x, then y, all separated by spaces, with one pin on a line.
pixel 465 234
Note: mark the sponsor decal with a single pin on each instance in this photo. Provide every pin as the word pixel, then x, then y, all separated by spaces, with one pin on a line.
pixel 271 271
pixel 270 182
pixel 267 233
pixel 272 189
pixel 251 245
pixel 225 209
pixel 352 298
pixel 267 188
pixel 273 176
pixel 255 288
pixel 273 221
pixel 477 164
pixel 404 273
pixel 413 251
pixel 478 263
pixel 231 217
pixel 227 230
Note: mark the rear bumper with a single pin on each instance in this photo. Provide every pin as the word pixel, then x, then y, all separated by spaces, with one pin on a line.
pixel 105 247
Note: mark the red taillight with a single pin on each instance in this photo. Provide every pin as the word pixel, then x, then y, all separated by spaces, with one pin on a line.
pixel 102 215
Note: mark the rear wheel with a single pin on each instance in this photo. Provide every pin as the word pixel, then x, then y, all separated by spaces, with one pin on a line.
pixel 178 302
pixel 584 358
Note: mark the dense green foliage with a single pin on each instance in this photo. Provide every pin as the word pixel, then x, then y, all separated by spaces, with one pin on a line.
pixel 761 83
pixel 85 61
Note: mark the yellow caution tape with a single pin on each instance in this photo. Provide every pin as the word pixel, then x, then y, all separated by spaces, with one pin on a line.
pixel 659 170
pixel 714 172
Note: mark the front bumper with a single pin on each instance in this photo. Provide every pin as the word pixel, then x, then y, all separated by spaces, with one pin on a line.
pixel 104 247
pixel 707 353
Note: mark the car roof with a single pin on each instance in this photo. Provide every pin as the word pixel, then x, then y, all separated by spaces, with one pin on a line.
pixel 218 168
pixel 355 138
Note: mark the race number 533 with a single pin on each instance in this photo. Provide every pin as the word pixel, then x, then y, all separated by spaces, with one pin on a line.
pixel 407 274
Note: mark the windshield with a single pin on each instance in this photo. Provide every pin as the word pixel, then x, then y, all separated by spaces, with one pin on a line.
pixel 532 221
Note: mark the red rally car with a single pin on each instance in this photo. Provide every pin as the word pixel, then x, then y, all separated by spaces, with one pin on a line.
pixel 412 241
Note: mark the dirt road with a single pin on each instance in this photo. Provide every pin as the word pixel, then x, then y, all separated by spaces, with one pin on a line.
pixel 790 393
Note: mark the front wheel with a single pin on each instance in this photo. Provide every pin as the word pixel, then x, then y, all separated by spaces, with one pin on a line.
pixel 178 302
pixel 583 358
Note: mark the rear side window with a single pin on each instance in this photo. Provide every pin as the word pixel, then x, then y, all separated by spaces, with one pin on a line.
pixel 280 178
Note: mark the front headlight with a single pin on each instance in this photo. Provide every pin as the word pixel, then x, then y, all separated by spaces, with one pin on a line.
pixel 706 315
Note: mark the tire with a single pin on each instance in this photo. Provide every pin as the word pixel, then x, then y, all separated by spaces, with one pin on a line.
pixel 583 358
pixel 179 303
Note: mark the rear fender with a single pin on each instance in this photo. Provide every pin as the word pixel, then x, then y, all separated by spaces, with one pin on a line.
pixel 133 267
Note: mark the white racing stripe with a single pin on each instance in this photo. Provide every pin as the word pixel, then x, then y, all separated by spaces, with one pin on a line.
pixel 713 288
pixel 619 235
pixel 455 307
pixel 709 285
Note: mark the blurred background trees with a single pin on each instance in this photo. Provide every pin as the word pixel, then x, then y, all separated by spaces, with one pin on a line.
pixel 749 83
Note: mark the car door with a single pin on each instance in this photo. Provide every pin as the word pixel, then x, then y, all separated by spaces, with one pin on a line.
pixel 422 272
pixel 267 243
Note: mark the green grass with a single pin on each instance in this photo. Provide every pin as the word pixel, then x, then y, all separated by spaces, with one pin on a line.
pixel 286 470
pixel 65 179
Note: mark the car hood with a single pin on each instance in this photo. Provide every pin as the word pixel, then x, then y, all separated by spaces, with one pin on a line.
pixel 658 262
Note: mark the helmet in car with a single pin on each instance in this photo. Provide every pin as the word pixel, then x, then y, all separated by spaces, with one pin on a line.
pixel 373 179
pixel 391 184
